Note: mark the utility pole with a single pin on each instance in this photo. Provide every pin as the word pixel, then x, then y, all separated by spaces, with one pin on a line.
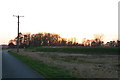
pixel 18 31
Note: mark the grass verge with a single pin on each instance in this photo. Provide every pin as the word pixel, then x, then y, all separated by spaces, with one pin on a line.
pixel 48 71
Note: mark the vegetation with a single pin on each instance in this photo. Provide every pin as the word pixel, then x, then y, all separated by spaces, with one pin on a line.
pixel 75 59
pixel 48 71
pixel 11 45
pixel 51 39
pixel 83 50
pixel 79 65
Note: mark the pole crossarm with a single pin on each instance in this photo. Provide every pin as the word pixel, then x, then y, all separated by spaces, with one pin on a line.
pixel 17 16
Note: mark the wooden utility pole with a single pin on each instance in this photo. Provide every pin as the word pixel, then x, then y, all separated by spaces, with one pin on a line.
pixel 18 31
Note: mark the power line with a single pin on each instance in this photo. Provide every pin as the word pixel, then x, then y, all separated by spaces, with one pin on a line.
pixel 18 31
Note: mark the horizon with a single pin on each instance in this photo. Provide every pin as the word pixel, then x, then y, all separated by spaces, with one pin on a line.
pixel 68 39
pixel 68 18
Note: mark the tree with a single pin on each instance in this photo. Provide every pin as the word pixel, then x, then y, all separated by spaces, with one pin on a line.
pixel 98 39
pixel 118 43
pixel 41 39
pixel 11 45
pixel 63 42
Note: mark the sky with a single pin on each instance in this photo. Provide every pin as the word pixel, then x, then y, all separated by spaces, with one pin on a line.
pixel 69 18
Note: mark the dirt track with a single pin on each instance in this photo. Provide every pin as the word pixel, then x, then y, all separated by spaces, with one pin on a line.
pixel 80 65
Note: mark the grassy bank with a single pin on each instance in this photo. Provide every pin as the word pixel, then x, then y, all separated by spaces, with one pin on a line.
pixel 47 70
pixel 85 50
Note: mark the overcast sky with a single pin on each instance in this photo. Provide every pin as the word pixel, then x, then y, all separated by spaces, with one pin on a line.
pixel 69 18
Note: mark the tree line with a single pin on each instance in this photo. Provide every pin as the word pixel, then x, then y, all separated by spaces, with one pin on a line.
pixel 52 39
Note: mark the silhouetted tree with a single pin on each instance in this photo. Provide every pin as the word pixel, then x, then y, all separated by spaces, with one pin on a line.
pixel 63 42
pixel 98 40
pixel 11 45
pixel 118 43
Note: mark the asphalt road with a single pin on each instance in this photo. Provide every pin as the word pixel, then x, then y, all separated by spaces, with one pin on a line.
pixel 0 63
pixel 14 68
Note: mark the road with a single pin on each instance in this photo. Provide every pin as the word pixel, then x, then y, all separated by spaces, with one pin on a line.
pixel 14 68
pixel 0 63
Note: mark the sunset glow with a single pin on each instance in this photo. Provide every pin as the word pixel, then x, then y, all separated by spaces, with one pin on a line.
pixel 68 18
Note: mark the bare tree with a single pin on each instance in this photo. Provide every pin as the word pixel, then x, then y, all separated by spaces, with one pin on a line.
pixel 98 39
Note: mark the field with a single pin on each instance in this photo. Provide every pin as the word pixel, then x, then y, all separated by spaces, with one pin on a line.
pixel 79 62
pixel 83 50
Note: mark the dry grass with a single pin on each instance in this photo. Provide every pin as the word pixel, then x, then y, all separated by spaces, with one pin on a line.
pixel 81 65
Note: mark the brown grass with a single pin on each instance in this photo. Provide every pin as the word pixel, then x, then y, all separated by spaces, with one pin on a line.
pixel 81 65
